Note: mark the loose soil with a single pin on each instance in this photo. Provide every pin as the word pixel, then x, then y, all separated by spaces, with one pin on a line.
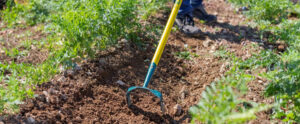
pixel 95 91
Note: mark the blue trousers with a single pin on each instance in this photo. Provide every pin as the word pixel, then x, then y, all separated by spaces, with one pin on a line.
pixel 188 6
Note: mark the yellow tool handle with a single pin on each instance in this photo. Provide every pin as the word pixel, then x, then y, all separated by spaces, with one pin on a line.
pixel 167 31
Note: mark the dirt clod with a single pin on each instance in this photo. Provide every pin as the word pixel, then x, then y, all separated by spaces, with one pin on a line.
pixel 120 82
pixel 61 79
pixel 30 120
pixel 281 47
pixel 69 73
pixel 52 91
pixel 207 43
pixel 183 93
pixel 177 110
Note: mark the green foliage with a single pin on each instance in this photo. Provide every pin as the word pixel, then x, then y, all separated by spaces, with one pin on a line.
pixel 36 12
pixel 94 24
pixel 266 11
pixel 220 102
pixel 263 59
pixel 285 86
pixel 186 55
pixel 222 53
pixel 11 13
pixel 220 105
pixel 150 7
pixel 284 69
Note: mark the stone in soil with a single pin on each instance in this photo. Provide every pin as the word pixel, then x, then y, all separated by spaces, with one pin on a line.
pixel 177 110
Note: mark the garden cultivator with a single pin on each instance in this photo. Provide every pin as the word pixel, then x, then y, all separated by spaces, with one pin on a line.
pixel 157 57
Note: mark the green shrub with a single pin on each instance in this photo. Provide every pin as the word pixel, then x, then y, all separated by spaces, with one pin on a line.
pixel 266 11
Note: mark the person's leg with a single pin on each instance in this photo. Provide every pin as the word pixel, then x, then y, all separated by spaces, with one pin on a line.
pixel 184 19
pixel 200 12
pixel 196 3
pixel 185 8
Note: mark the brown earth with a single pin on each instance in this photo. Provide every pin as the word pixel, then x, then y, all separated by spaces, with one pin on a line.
pixel 14 38
pixel 95 91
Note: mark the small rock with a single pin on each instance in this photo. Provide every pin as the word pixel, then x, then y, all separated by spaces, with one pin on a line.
pixel 77 68
pixel 33 47
pixel 259 77
pixel 180 69
pixel 89 73
pixel 183 92
pixel 120 82
pixel 177 110
pixel 111 49
pixel 42 98
pixel 61 69
pixel 118 46
pixel 129 67
pixel 270 46
pixel 214 48
pixel 237 10
pixel 185 45
pixel 41 105
pixel 30 120
pixel 45 93
pixel 123 41
pixel 54 100
pixel 279 42
pixel 207 43
pixel 10 31
pixel 260 81
pixel 102 61
pixel 63 97
pixel 61 79
pixel 69 73
pixel 254 100
pixel 248 71
pixel 224 67
pixel 281 47
pixel 52 91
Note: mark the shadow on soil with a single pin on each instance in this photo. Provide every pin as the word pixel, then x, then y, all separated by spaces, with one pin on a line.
pixel 234 33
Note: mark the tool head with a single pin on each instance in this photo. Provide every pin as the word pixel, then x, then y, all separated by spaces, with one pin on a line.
pixel 155 92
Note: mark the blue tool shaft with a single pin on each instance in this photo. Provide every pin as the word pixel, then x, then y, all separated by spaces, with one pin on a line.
pixel 150 72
